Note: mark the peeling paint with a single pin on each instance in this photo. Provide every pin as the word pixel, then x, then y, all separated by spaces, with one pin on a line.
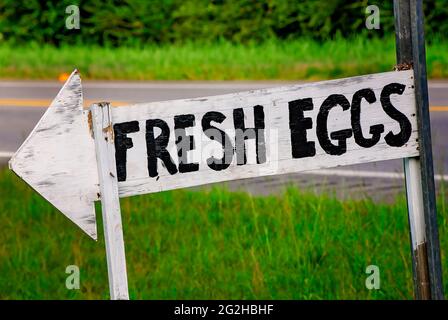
pixel 403 66
pixel 109 132
pixel 90 123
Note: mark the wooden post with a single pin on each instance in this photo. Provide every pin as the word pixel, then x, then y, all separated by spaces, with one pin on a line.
pixel 110 201
pixel 419 172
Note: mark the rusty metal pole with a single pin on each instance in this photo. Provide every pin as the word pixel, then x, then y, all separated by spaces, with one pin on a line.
pixel 419 172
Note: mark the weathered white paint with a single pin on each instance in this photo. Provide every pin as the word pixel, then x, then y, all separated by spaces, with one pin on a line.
pixel 275 102
pixel 58 158
pixel 110 202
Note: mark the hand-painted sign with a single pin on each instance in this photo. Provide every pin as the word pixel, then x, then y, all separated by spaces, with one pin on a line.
pixel 74 157
pixel 183 143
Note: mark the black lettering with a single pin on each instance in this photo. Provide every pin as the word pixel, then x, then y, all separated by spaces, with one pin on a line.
pixel 184 143
pixel 122 143
pixel 220 136
pixel 322 130
pixel 399 139
pixel 355 110
pixel 156 147
pixel 242 134
pixel 298 124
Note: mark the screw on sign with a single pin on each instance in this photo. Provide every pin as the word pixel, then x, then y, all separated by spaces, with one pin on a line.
pixel 75 157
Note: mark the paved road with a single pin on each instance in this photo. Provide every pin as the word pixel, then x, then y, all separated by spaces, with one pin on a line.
pixel 22 104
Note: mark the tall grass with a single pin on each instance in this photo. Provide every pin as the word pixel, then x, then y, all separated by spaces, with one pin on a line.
pixel 213 244
pixel 287 60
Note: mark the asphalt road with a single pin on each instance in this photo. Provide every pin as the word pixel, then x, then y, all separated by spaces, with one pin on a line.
pixel 23 102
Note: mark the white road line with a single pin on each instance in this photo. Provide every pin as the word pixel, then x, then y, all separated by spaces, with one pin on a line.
pixel 366 174
pixel 6 154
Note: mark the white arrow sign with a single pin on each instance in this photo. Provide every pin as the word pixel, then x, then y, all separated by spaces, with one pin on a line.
pixel 74 157
pixel 58 158
pixel 297 128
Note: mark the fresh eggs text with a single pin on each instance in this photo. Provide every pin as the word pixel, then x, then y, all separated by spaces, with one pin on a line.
pixel 233 148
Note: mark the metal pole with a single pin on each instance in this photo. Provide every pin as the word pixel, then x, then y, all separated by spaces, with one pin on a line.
pixel 419 172
pixel 110 201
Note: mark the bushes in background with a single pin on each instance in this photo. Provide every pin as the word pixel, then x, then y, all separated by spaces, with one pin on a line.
pixel 139 22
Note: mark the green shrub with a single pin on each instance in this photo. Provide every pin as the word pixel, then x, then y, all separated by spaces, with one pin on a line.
pixel 139 22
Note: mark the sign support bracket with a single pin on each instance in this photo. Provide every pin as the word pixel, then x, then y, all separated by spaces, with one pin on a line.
pixel 419 172
pixel 110 201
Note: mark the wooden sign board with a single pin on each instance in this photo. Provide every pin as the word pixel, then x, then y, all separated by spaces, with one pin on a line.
pixel 183 143
pixel 168 145
pixel 75 157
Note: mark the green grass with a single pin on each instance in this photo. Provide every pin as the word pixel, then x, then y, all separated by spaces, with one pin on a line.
pixel 213 244
pixel 287 60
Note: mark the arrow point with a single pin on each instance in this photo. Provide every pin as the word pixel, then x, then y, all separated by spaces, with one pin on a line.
pixel 58 158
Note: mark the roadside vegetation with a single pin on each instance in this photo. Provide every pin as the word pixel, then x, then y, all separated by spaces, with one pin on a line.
pixel 214 244
pixel 207 40
pixel 280 60
pixel 161 22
